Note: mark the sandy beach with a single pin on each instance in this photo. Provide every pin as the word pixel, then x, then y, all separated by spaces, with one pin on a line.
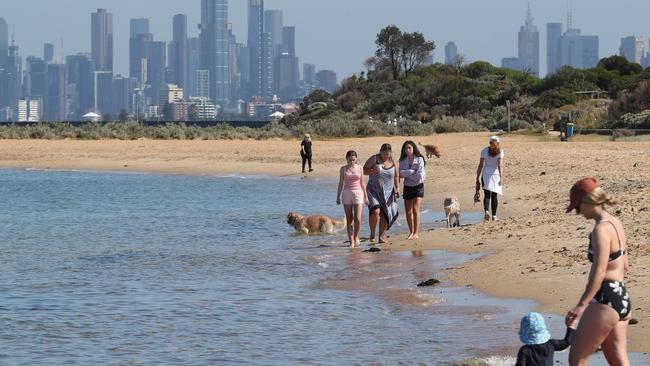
pixel 534 251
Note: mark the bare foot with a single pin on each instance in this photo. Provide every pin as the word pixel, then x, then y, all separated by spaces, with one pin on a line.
pixel 372 240
pixel 409 237
pixel 382 241
pixel 357 241
pixel 415 236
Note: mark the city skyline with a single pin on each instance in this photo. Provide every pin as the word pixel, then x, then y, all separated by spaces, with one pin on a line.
pixel 323 49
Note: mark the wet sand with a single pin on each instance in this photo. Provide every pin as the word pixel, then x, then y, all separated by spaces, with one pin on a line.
pixel 536 251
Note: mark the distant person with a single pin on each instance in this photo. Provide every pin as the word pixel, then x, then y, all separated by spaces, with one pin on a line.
pixel 305 152
pixel 383 189
pixel 412 163
pixel 352 192
pixel 604 309
pixel 538 346
pixel 489 175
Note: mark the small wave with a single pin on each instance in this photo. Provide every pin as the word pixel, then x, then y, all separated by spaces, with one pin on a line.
pixel 324 264
pixel 487 361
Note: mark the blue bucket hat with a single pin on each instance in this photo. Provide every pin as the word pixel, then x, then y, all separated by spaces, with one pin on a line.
pixel 533 329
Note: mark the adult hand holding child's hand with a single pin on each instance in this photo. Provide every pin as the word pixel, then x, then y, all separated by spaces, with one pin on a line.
pixel 574 315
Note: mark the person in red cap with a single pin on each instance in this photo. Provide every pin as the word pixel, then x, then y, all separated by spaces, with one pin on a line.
pixel 604 308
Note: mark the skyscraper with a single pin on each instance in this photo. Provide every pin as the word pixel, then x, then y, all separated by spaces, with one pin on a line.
pixel 180 51
pixel 577 50
pixel 48 52
pixel 102 40
pixel 193 63
pixel 255 34
pixel 451 53
pixel 327 80
pixel 529 46
pixel 156 61
pixel 215 48
pixel 139 36
pixel 289 40
pixel 4 41
pixel 103 92
pixel 633 48
pixel 54 100
pixel 287 78
pixel 553 38
pixel 274 26
pixel 36 71
pixel 80 78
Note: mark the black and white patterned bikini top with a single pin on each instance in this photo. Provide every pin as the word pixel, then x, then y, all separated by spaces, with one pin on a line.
pixel 612 256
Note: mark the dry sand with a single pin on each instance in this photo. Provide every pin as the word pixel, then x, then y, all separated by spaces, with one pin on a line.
pixel 535 251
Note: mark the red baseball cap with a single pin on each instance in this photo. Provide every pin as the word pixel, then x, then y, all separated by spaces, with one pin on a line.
pixel 580 189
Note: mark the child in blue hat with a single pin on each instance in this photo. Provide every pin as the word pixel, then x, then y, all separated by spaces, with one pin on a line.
pixel 538 346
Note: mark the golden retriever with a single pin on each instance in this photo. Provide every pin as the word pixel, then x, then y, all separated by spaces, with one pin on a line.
pixel 452 208
pixel 431 150
pixel 313 224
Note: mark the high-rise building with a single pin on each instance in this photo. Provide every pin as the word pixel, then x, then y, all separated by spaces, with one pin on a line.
pixel 255 41
pixel 633 48
pixel 289 40
pixel 510 63
pixel 215 48
pixel 4 41
pixel 11 78
pixel 123 88
pixel 169 94
pixel 80 81
pixel 179 57
pixel 193 62
pixel 35 73
pixel 273 26
pixel 529 46
pixel 102 40
pixel 138 47
pixel 29 110
pixel 327 80
pixel 54 99
pixel 553 38
pixel 287 78
pixel 451 53
pixel 267 66
pixel 48 52
pixel 103 92
pixel 202 83
pixel 156 69
pixel 577 50
pixel 308 78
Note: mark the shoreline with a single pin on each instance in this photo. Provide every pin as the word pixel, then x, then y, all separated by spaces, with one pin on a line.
pixel 534 252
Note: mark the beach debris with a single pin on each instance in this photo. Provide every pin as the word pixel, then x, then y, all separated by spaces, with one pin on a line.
pixel 429 282
pixel 634 321
pixel 542 173
pixel 372 250
pixel 636 164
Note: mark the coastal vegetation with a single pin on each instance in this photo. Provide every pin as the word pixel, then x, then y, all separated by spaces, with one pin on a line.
pixel 398 94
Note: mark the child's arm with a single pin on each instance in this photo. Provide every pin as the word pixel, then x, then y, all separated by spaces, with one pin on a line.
pixel 562 344
pixel 521 357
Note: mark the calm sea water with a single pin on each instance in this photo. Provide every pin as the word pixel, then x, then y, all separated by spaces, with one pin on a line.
pixel 107 268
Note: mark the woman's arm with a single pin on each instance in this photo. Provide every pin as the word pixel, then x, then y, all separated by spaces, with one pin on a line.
pixel 600 246
pixel 369 166
pixel 396 178
pixel 363 187
pixel 341 178
pixel 479 169
pixel 500 166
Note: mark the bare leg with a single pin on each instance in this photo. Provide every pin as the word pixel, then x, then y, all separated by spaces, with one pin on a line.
pixel 358 210
pixel 615 345
pixel 417 202
pixel 373 217
pixel 348 223
pixel 383 225
pixel 596 323
pixel 408 205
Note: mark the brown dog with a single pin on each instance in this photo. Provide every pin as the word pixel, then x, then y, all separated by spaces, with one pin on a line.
pixel 431 150
pixel 452 209
pixel 313 224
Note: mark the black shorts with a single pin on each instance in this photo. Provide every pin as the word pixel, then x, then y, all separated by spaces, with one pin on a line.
pixel 411 193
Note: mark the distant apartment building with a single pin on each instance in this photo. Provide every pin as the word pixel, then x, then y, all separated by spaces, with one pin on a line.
pixel 29 110
pixel 327 80
pixel 633 48
pixel 451 53
pixel 202 83
pixel 510 63
pixel 553 47
pixel 202 109
pixel 528 46
pixel 170 94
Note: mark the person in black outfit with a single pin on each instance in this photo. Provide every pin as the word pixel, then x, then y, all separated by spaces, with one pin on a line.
pixel 538 346
pixel 305 152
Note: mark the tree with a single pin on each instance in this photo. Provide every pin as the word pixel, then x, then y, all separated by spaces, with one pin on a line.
pixel 389 44
pixel 620 64
pixel 123 116
pixel 414 50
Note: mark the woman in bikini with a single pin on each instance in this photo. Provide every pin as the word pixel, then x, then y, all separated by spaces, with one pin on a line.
pixel 604 308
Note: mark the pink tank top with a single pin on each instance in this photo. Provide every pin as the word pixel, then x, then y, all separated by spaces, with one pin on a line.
pixel 352 180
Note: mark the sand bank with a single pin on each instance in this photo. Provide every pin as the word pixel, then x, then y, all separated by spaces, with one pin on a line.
pixel 536 250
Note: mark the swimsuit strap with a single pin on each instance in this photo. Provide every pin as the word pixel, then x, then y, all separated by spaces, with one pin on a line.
pixel 617 236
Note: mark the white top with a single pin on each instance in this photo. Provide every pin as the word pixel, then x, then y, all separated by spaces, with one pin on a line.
pixel 491 175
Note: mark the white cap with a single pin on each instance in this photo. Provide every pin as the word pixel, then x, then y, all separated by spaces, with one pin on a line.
pixel 494 139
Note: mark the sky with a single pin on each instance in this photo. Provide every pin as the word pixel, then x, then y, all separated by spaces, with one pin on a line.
pixel 336 34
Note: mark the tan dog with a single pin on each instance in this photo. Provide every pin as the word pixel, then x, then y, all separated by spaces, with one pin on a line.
pixel 452 208
pixel 313 224
pixel 431 150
